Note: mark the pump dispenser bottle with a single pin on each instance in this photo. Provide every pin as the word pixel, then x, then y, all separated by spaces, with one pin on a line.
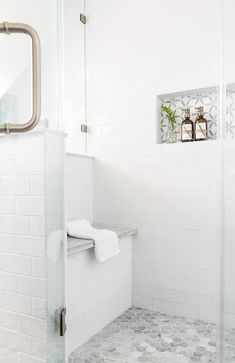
pixel 187 127
pixel 201 126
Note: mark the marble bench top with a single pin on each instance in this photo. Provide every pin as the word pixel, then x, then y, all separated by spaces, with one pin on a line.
pixel 75 245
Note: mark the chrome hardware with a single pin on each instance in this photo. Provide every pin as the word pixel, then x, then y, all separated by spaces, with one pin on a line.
pixel 63 326
pixel 10 28
pixel 83 18
pixel 84 128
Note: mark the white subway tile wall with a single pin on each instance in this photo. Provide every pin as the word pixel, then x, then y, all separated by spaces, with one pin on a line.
pixel 23 278
pixel 169 192
pixel 97 293
pixel 74 76
pixel 79 187
pixel 175 209
pixel 229 237
pixel 21 163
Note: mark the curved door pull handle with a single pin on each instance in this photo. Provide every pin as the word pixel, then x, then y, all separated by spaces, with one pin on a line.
pixel 10 28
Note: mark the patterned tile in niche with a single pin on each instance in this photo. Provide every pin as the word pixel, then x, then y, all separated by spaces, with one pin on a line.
pixel 230 113
pixel 145 336
pixel 209 100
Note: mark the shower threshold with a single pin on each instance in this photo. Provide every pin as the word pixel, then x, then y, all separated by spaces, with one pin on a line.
pixel 141 335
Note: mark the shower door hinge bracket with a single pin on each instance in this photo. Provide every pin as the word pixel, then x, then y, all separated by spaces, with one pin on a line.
pixel 63 326
pixel 84 128
pixel 83 18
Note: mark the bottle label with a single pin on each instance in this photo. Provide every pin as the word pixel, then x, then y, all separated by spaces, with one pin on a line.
pixel 187 132
pixel 201 131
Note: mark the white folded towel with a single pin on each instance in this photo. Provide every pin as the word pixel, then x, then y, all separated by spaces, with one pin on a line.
pixel 106 242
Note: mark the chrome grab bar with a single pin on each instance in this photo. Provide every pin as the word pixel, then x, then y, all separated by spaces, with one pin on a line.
pixel 9 28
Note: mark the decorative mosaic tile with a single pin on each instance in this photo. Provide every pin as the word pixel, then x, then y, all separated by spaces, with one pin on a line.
pixel 230 117
pixel 209 100
pixel 143 336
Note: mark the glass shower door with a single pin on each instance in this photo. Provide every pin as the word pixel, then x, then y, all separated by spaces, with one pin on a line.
pixel 228 257
pixel 16 106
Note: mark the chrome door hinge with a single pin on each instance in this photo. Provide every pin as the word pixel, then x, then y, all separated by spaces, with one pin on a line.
pixel 83 18
pixel 84 128
pixel 63 326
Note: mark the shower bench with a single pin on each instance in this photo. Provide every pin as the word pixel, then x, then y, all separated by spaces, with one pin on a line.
pixel 75 245
pixel 97 292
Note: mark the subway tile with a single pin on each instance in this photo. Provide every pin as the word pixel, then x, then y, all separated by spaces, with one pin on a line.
pixel 36 144
pixel 210 315
pixel 29 165
pixel 7 281
pixel 7 243
pixel 32 326
pixel 1 262
pixel 203 301
pixel 149 291
pixel 23 314
pixel 179 297
pixel 16 225
pixel 39 308
pixel 18 303
pixel 11 340
pixel 141 301
pixel 1 299
pixel 39 348
pixel 7 166
pixel 23 358
pixel 38 226
pixel 18 264
pixel 15 185
pixel 8 320
pixel 8 355
pixel 37 185
pixel 191 312
pixel 30 206
pixel 2 342
pixel 31 286
pixel 7 205
pixel 25 343
pixel 31 246
pixel 164 306
pixel 38 267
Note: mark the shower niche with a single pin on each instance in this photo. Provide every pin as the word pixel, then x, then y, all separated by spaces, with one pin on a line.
pixel 209 99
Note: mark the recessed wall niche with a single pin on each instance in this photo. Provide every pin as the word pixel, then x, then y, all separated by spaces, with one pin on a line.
pixel 209 98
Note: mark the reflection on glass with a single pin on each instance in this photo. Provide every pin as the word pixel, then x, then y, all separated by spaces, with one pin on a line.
pixel 15 78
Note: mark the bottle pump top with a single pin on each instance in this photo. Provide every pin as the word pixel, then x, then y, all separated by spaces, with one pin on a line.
pixel 186 112
pixel 200 111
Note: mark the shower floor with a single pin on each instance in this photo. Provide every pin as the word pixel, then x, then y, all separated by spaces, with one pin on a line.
pixel 141 335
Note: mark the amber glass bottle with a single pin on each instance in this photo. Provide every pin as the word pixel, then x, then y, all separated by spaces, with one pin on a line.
pixel 187 127
pixel 201 126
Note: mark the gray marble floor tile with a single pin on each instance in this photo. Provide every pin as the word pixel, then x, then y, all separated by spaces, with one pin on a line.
pixel 143 336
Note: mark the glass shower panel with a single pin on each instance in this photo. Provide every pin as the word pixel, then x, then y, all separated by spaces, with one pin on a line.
pixel 228 267
pixel 15 66
pixel 15 96
pixel 75 76
pixel 16 63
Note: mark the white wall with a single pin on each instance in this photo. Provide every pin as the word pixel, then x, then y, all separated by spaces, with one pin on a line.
pixel 79 187
pixel 97 292
pixel 135 51
pixel 26 220
pixel 229 238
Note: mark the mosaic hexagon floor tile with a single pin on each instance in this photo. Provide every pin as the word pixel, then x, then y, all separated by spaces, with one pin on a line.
pixel 143 336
